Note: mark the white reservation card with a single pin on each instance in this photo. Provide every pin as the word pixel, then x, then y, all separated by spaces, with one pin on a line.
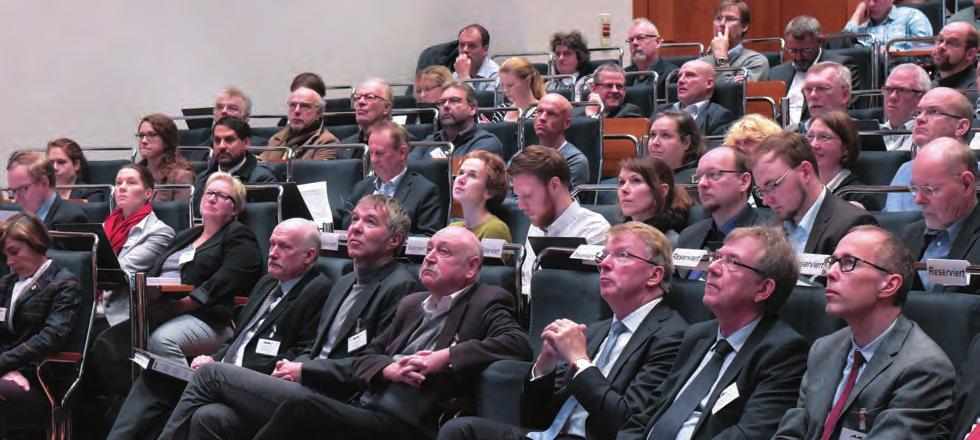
pixel 315 196
pixel 493 247
pixel 690 259
pixel 813 264
pixel 948 272
pixel 416 245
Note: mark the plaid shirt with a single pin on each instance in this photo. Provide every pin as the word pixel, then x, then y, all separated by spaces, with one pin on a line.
pixel 901 22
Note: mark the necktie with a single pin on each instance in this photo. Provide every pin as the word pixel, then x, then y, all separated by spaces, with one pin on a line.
pixel 685 404
pixel 615 331
pixel 244 337
pixel 834 416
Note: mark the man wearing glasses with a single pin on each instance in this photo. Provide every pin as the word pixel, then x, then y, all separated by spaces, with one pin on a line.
pixel 955 56
pixel 804 44
pixel 304 127
pixel 731 23
pixel 737 374
pixel 826 88
pixel 785 172
pixel 588 381
pixel 695 85
pixel 881 376
pixel 724 180
pixel 902 91
pixel 644 42
pixel 944 175
pixel 609 88
pixel 372 103
pixel 30 183
pixel 457 117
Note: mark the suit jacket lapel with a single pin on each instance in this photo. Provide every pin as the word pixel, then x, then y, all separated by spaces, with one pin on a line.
pixel 450 328
pixel 883 357
pixel 649 326
pixel 404 187
pixel 294 293
pixel 824 215
pixel 330 307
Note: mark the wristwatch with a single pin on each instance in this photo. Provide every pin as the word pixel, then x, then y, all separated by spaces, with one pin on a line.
pixel 721 61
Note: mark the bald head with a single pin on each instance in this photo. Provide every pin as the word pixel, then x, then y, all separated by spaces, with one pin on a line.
pixel 553 117
pixel 452 261
pixel 944 175
pixel 293 248
pixel 305 108
pixel 695 82
pixel 943 112
pixel 956 48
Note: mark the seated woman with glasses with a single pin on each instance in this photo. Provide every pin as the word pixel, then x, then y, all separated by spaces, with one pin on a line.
pixel 71 168
pixel 674 138
pixel 135 233
pixel 522 86
pixel 480 186
pixel 834 139
pixel 429 82
pixel 220 259
pixel 648 194
pixel 572 57
pixel 41 305
pixel 157 144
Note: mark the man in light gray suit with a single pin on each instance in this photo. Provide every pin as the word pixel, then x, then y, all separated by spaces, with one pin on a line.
pixel 881 376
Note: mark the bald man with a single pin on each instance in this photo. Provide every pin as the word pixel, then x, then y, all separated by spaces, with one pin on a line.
pixel 553 117
pixel 304 127
pixel 695 85
pixel 955 56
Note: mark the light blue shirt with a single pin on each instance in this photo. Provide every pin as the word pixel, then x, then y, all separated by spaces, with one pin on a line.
pixel 798 234
pixel 940 245
pixel 868 352
pixel 901 22
pixel 388 188
pixel 286 286
pixel 42 212
pixel 488 70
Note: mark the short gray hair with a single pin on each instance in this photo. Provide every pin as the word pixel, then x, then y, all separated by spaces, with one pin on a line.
pixel 309 234
pixel 802 26
pixel 843 73
pixel 922 80
pixel 645 22
pixel 235 92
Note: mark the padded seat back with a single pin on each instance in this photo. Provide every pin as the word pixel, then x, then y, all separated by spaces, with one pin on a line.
pixel 420 131
pixel 642 97
pixel 341 176
pixel 103 172
pixel 437 171
pixel 564 294
pixel 95 212
pixel 261 218
pixel 950 319
pixel 501 276
pixel 485 98
pixel 804 310
pixel 175 213
pixel 879 167
pixel 862 58
pixel 342 131
pixel 403 101
pixel 334 267
pixel 585 134
pixel 506 132
pixel 685 296
pixel 80 264
pixel 894 222
pixel 611 213
pixel 514 218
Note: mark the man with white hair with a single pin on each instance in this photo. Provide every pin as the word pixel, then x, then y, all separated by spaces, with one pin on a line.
pixel 644 41
pixel 902 91
pixel 827 88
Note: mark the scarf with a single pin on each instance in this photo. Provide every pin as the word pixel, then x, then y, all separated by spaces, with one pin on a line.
pixel 117 228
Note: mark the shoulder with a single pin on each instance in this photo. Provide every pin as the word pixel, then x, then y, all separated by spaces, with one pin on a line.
pixel 719 110
pixel 689 233
pixel 236 230
pixel 486 294
pixel 279 137
pixel 180 175
pixel 417 180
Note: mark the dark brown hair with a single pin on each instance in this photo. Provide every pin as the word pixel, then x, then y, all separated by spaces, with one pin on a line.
pixel 671 209
pixel 309 80
pixel 145 175
pixel 167 129
pixel 576 42
pixel 790 147
pixel 74 153
pixel 687 129
pixel 541 162
pixel 27 229
pixel 843 126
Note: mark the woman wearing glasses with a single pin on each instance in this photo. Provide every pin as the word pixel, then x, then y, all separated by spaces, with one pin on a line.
pixel 157 144
pixel 220 259
pixel 834 139
pixel 648 194
pixel 674 138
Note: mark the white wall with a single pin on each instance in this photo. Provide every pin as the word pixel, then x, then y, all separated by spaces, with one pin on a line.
pixel 90 69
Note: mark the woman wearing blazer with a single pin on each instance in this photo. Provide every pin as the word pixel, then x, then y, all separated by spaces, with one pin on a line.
pixel 39 302
pixel 220 258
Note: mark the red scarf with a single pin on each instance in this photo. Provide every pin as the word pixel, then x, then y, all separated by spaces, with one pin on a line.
pixel 117 228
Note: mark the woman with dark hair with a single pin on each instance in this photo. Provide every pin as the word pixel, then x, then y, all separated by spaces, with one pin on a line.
pixel 480 186
pixel 571 55
pixel 522 86
pixel 674 138
pixel 157 144
pixel 42 301
pixel 648 194
pixel 835 142
pixel 71 168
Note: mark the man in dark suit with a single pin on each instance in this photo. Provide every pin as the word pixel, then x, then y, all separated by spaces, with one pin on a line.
pixel 881 376
pixel 30 182
pixel 736 375
pixel 826 88
pixel 230 101
pixel 786 178
pixel 609 88
pixel 645 42
pixel 585 381
pixel 278 321
pixel 388 144
pixel 724 180
pixel 967 398
pixel 232 138
pixel 430 356
pixel 695 85
pixel 804 45
pixel 944 175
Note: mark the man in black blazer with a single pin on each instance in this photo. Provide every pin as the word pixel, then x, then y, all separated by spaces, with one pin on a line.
pixel 786 178
pixel 724 180
pixel 967 399
pixel 232 138
pixel 944 173
pixel 388 144
pixel 30 182
pixel 429 357
pixel 748 361
pixel 609 87
pixel 278 322
pixel 585 381
pixel 695 85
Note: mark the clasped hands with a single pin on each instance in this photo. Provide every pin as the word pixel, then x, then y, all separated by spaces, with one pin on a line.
pixel 563 339
pixel 412 369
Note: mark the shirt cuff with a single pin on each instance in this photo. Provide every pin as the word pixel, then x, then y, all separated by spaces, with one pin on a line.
pixel 581 365
pixel 536 377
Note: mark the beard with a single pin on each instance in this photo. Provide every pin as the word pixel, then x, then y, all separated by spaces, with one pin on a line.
pixel 638 57
pixel 944 64
pixel 547 215
pixel 710 207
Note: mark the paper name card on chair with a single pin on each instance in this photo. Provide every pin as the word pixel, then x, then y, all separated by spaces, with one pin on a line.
pixel 690 259
pixel 162 281
pixel 315 196
pixel 813 264
pixel 416 246
pixel 586 253
pixel 947 272
pixel 493 247
pixel 329 241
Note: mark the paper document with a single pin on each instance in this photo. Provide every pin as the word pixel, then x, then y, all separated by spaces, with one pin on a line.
pixel 315 196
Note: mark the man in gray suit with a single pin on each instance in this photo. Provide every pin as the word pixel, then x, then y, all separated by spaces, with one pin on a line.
pixel 881 376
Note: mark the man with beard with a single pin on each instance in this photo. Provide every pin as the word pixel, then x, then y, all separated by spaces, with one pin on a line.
pixel 609 87
pixel 457 116
pixel 540 179
pixel 955 56
pixel 902 91
pixel 553 117
pixel 304 127
pixel 785 172
pixel 695 85
pixel 645 41
pixel 724 180
pixel 232 137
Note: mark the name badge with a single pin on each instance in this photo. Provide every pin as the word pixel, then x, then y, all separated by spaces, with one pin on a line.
pixel 437 153
pixel 357 341
pixel 416 246
pixel 728 395
pixel 186 257
pixel 267 347
pixel 947 272
pixel 3 314
pixel 850 434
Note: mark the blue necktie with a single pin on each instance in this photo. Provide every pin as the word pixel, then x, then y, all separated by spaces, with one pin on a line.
pixel 689 400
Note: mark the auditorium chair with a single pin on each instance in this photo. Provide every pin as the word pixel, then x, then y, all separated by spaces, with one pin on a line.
pixel 261 218
pixel 506 132
pixel 584 133
pixel 437 172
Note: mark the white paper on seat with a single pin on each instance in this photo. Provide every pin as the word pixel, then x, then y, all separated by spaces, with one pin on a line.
pixel 315 196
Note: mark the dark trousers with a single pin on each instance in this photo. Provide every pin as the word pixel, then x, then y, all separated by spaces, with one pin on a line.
pixel 22 408
pixel 147 406
pixel 475 428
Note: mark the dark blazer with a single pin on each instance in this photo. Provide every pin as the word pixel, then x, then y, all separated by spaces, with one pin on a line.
pixel 89 194
pixel 785 72
pixel 610 401
pixel 62 212
pixel 418 196
pixel 480 328
pixel 45 314
pixel 833 220
pixel 627 110
pixel 292 322
pixel 766 371
pixel 965 247
pixel 374 308
pixel 663 67
pixel 905 390
pixel 870 201
pixel 251 172
pixel 228 264
pixel 967 398
pixel 696 235
pixel 712 121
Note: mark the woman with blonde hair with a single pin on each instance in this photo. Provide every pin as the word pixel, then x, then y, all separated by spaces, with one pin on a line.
pixel 522 86
pixel 429 83
pixel 748 132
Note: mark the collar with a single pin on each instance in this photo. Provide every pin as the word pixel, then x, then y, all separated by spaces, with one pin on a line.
pixel 892 16
pixel 441 306
pixel 288 285
pixel 836 181
pixel 806 223
pixel 566 218
pixel 815 61
pixel 954 229
pixel 738 338
pixel 368 276
pixel 42 212
pixel 735 52
pixel 488 69
pixel 730 224
pixel 634 319
pixel 698 106
pixel 237 167
pixel 908 125
pixel 868 351
pixel 393 182
pixel 37 273
pixel 563 145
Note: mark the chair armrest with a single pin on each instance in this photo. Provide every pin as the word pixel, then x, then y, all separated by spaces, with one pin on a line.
pixel 499 392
